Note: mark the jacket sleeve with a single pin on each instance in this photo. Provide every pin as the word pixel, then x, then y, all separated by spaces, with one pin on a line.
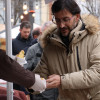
pixel 85 78
pixel 11 71
pixel 42 68
pixel 29 58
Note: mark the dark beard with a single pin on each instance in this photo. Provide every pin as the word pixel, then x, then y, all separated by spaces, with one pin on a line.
pixel 65 28
pixel 74 25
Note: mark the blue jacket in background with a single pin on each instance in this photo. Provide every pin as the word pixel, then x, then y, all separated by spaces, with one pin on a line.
pixel 19 44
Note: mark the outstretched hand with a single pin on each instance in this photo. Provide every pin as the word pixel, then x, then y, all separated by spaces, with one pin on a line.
pixel 40 84
pixel 53 81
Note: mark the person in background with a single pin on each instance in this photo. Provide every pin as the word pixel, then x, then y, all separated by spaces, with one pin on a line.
pixel 22 42
pixel 24 39
pixel 35 33
pixel 71 57
pixel 32 57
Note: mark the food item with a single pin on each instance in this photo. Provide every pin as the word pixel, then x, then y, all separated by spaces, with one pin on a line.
pixel 21 54
pixel 42 78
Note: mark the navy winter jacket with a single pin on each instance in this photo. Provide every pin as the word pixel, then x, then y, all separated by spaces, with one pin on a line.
pixel 19 44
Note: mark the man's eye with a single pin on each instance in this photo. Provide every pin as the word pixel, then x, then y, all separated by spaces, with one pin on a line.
pixel 67 19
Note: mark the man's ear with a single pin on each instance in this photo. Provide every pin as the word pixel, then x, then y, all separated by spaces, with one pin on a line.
pixel 77 17
pixel 19 30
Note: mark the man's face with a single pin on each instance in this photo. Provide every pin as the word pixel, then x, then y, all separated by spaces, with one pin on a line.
pixel 66 21
pixel 25 32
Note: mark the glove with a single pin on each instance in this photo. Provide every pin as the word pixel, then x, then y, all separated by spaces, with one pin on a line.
pixel 40 84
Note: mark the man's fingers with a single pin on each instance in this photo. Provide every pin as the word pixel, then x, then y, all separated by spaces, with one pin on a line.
pixel 53 81
pixel 51 76
pixel 50 85
pixel 49 80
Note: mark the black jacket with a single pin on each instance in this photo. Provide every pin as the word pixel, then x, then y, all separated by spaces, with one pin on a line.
pixel 19 44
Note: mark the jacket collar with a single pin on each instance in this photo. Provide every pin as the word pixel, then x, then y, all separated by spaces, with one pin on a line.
pixel 78 33
pixel 22 39
pixel 75 35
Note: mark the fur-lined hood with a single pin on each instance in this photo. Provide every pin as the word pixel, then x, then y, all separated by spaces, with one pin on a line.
pixel 43 39
pixel 91 22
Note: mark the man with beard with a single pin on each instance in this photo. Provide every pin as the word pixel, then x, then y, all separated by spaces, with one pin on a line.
pixel 71 56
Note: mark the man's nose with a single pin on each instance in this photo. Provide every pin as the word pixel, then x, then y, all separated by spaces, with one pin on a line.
pixel 62 24
pixel 27 33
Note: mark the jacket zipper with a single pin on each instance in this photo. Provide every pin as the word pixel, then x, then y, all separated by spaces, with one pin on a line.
pixel 78 61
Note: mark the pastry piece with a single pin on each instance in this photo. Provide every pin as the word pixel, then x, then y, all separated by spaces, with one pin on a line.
pixel 21 54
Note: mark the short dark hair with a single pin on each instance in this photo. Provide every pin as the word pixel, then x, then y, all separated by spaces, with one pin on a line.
pixel 69 5
pixel 36 32
pixel 25 24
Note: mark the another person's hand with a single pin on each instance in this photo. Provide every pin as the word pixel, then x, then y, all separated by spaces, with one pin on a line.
pixel 53 81
pixel 40 84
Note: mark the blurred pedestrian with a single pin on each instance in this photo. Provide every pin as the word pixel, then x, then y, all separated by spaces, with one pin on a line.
pixel 24 39
pixel 35 33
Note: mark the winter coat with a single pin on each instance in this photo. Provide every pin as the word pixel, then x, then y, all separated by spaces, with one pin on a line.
pixel 11 71
pixel 33 56
pixel 19 44
pixel 80 68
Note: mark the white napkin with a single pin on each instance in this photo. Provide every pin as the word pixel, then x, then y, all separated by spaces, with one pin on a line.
pixel 21 61
pixel 40 84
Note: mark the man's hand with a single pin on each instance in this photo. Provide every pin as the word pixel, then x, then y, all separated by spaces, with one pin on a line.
pixel 53 81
